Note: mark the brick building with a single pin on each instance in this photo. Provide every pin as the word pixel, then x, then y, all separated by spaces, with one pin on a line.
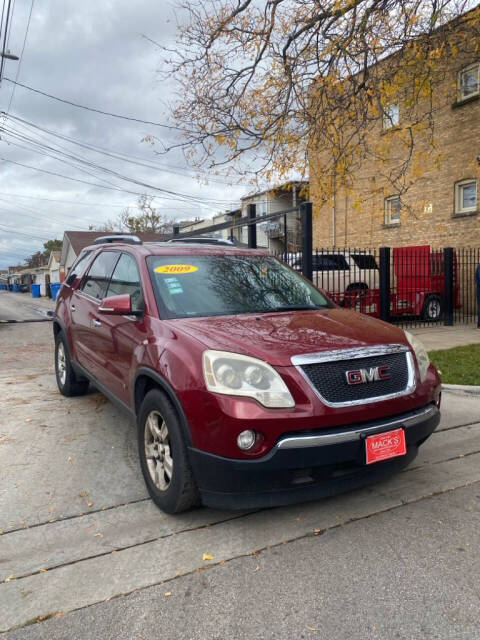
pixel 440 207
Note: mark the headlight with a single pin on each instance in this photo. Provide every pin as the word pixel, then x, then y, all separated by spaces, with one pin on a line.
pixel 237 375
pixel 421 354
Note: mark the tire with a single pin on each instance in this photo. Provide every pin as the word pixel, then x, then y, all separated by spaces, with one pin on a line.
pixel 432 308
pixel 69 384
pixel 163 455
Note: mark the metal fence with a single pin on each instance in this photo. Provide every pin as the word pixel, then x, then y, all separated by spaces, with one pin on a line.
pixel 411 286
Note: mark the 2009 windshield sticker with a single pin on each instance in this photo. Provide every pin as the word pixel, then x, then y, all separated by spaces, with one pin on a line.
pixel 176 268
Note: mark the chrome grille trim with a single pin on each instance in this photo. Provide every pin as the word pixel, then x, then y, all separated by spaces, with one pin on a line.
pixel 357 353
pixel 348 354
pixel 325 439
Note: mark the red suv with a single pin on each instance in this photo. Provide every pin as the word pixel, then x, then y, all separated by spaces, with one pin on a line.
pixel 249 386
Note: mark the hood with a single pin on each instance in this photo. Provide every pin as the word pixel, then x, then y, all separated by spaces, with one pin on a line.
pixel 276 337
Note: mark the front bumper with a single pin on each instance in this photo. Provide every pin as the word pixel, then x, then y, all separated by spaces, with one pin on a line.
pixel 307 466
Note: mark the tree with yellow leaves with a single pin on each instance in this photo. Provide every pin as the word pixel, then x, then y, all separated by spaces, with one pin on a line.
pixel 264 85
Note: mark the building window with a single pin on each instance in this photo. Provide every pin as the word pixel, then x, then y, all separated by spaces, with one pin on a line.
pixel 468 82
pixel 392 210
pixel 261 208
pixel 391 116
pixel 466 196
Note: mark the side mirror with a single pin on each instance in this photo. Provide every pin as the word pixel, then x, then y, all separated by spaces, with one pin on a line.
pixel 118 306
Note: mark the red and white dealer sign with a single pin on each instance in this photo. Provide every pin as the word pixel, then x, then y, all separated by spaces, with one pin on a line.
pixel 382 446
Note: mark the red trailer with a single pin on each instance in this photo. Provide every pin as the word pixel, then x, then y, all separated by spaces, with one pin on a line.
pixel 418 287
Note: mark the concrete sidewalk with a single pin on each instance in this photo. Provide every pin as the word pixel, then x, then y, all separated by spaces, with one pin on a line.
pixel 442 337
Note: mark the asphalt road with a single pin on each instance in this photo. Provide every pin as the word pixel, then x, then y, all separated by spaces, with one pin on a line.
pixel 21 307
pixel 85 554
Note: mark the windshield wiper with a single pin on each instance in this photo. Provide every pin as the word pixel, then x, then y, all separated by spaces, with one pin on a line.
pixel 295 307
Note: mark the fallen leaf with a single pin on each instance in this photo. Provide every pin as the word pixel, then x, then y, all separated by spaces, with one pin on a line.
pixel 83 494
pixel 311 628
pixel 207 556
pixel 52 509
pixel 70 459
pixel 256 568
pixel 168 593
pixel 98 535
pixel 316 532
pixel 11 577
pixel 89 504
pixel 43 570
pixel 28 419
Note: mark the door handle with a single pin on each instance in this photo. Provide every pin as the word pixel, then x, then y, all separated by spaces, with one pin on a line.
pixel 72 307
pixel 96 323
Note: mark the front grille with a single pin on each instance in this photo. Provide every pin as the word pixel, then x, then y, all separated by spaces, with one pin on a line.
pixel 329 378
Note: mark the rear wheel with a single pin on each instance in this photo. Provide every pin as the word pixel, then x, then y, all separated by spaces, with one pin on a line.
pixel 163 455
pixel 69 384
pixel 432 308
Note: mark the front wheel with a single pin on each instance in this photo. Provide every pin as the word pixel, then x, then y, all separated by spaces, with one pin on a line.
pixel 433 308
pixel 69 384
pixel 163 455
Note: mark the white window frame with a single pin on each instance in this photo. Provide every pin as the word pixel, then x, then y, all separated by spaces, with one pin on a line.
pixel 459 208
pixel 460 91
pixel 388 209
pixel 391 116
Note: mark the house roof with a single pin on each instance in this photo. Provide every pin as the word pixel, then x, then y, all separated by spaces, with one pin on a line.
pixel 78 240
pixel 54 255
pixel 286 187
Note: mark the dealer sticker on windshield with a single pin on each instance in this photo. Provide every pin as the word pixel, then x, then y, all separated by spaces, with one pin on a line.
pixel 176 268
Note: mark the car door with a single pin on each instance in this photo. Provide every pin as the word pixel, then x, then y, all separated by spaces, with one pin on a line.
pixel 119 337
pixel 84 303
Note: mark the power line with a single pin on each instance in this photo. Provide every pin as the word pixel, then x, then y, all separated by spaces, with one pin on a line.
pixel 84 204
pixel 20 233
pixel 104 113
pixel 166 193
pixel 21 57
pixel 89 163
pixel 7 18
pixel 132 159
pixel 170 195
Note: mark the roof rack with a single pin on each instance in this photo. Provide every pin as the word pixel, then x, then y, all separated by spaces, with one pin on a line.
pixel 125 239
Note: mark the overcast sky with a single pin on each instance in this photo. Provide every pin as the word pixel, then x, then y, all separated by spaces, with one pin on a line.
pixel 93 53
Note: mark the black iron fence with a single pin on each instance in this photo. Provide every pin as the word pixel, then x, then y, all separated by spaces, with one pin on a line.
pixel 415 285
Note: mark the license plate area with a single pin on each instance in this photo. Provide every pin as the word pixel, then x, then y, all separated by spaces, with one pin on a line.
pixel 383 446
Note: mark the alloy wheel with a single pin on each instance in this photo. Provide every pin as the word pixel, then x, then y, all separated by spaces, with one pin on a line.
pixel 157 451
pixel 61 363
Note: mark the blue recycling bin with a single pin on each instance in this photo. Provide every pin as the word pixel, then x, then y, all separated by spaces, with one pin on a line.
pixel 15 287
pixel 54 289
pixel 35 290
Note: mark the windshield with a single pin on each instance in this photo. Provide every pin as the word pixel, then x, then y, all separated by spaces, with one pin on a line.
pixel 214 285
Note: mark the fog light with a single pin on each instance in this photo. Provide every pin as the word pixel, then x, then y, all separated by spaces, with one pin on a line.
pixel 246 439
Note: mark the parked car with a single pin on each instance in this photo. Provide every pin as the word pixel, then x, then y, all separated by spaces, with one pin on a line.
pixel 248 386
pixel 341 271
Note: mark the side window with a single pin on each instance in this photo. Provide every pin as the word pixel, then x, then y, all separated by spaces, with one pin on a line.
pixel 98 276
pixel 336 262
pixel 77 269
pixel 126 279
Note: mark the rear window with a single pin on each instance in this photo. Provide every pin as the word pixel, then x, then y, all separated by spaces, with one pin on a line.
pixel 199 285
pixel 364 261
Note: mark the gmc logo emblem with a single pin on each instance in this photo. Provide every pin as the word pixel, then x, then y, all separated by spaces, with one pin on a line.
pixel 359 376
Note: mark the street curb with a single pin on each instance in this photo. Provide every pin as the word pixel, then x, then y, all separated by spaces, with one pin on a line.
pixel 472 389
